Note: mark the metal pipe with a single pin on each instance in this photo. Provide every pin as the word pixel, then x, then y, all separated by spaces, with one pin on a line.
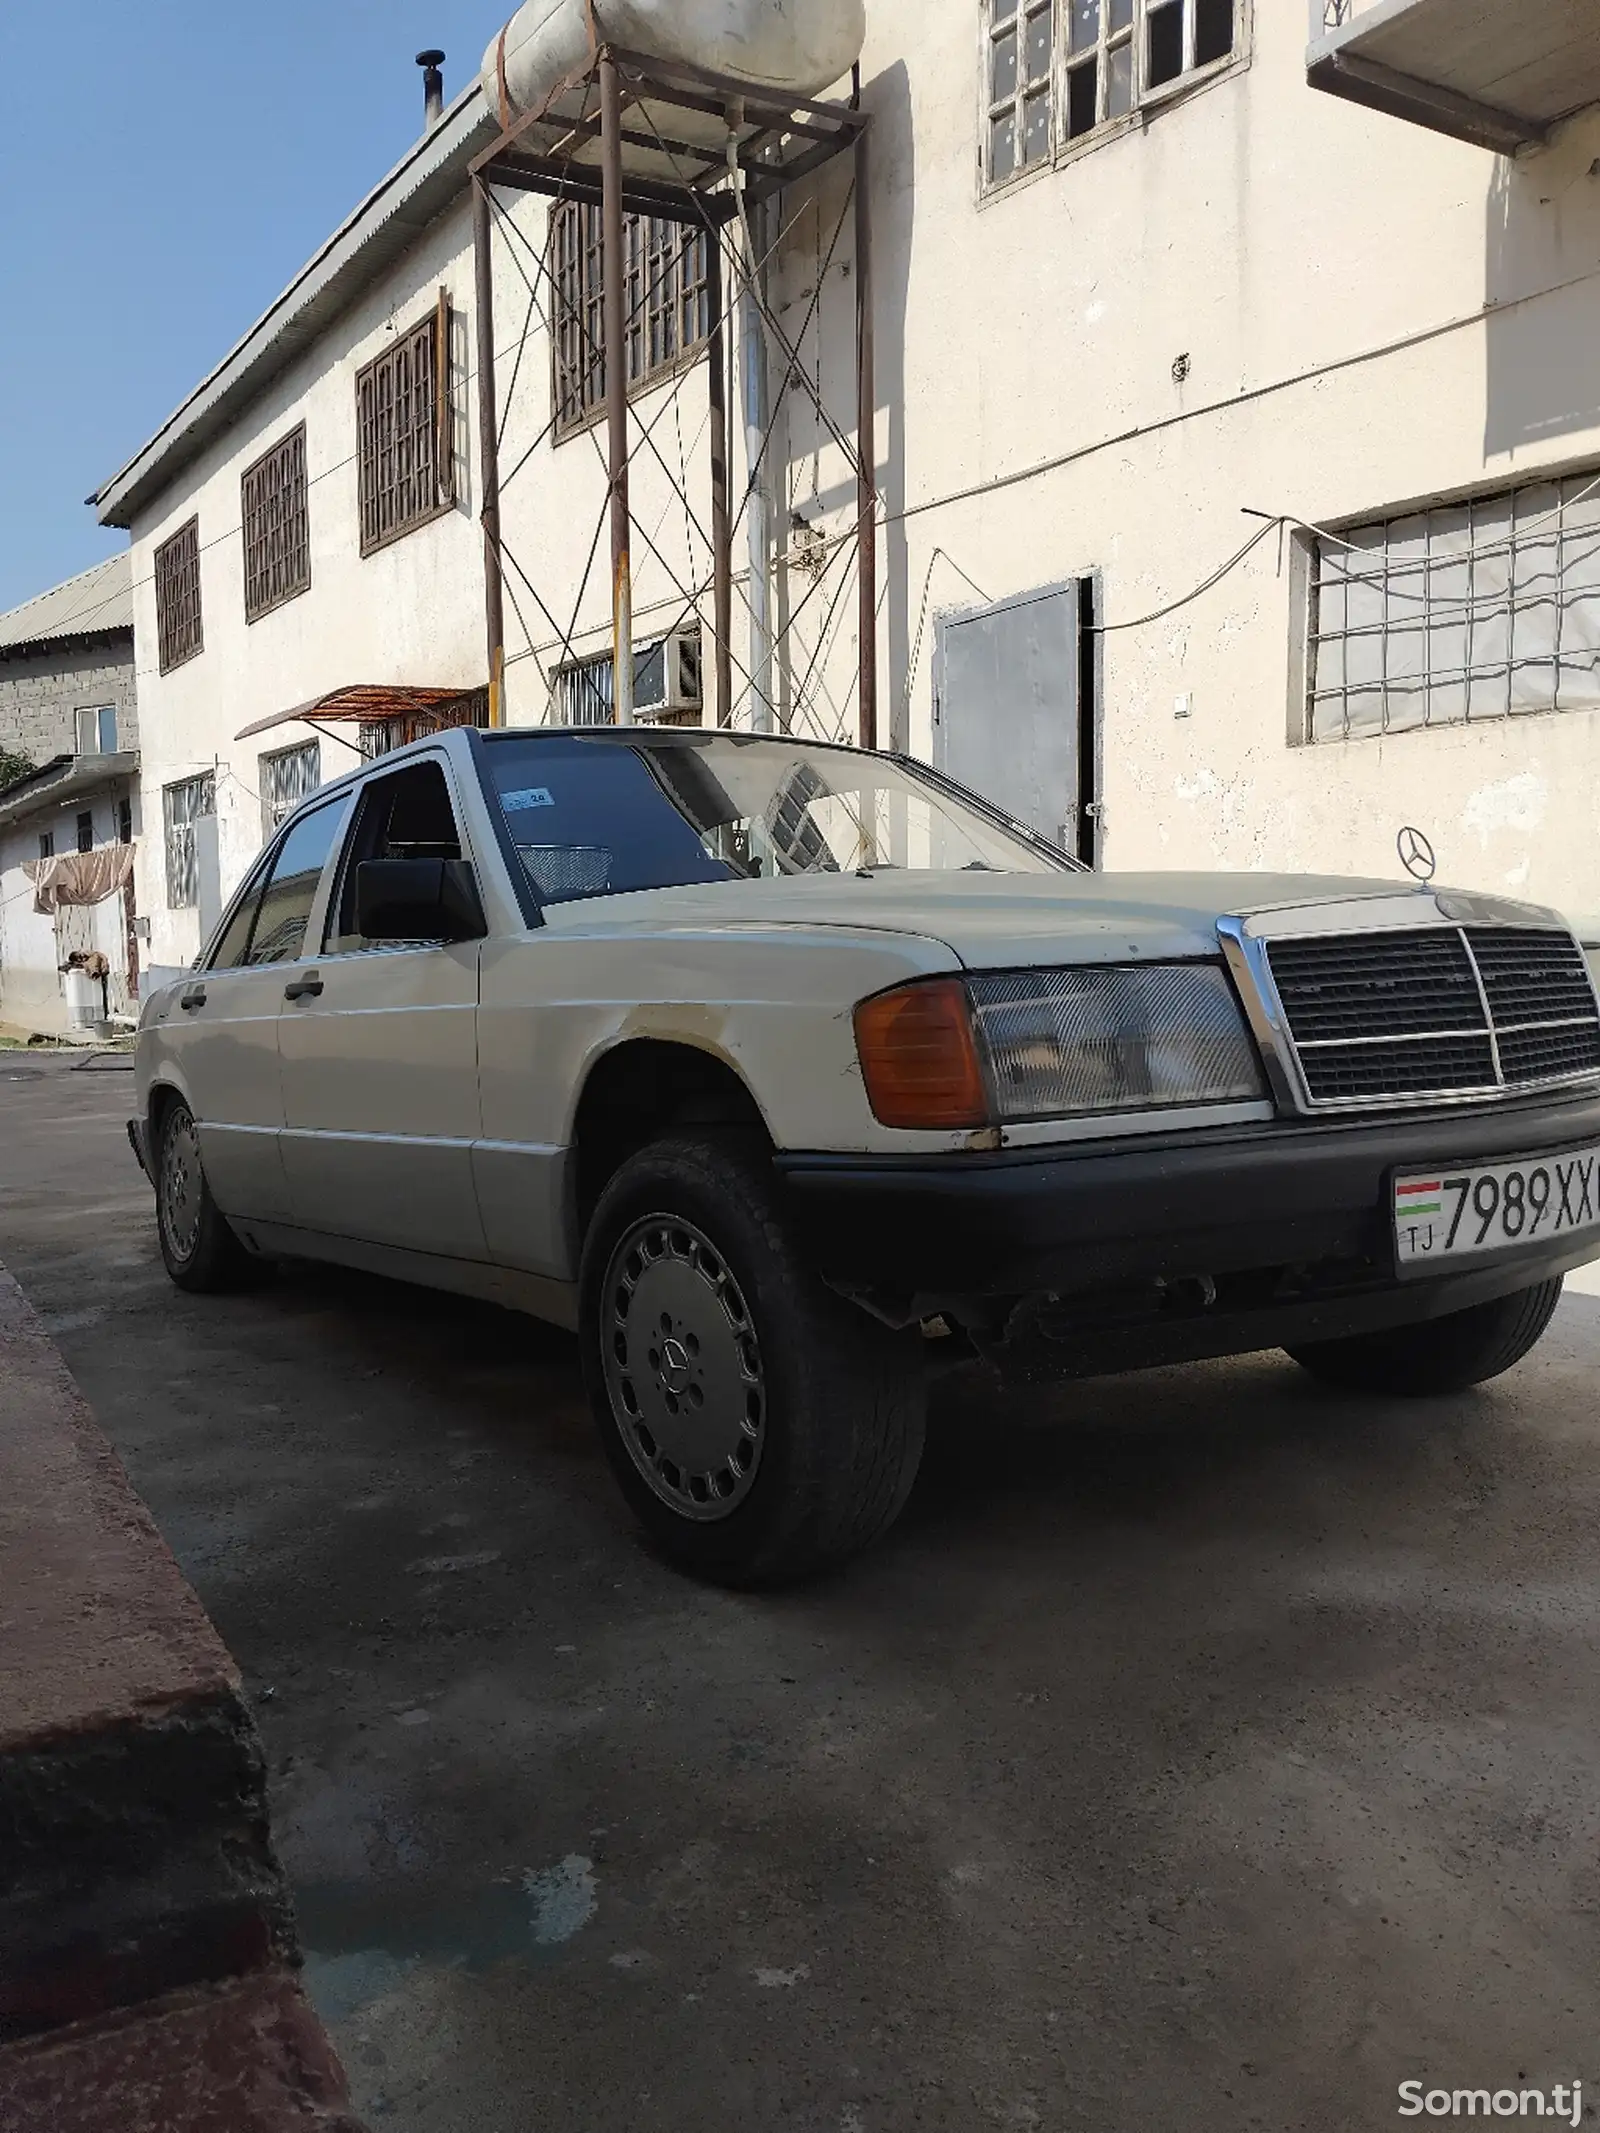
pixel 757 415
pixel 866 451
pixel 432 89
pixel 613 336
pixel 721 526
pixel 489 450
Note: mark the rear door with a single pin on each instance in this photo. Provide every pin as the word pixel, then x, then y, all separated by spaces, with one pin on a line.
pixel 1006 708
pixel 223 1032
pixel 379 1049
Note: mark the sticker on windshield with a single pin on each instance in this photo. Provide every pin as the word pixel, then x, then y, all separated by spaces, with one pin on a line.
pixel 517 803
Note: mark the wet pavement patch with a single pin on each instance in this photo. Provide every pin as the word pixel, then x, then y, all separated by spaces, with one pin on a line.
pixel 363 1939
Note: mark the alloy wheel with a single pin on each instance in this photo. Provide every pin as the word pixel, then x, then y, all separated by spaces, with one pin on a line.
pixel 683 1367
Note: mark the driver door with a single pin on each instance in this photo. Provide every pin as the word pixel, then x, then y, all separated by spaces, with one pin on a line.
pixel 379 1049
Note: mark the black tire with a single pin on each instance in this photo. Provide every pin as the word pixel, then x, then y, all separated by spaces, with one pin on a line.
pixel 199 1248
pixel 822 1406
pixel 1439 1355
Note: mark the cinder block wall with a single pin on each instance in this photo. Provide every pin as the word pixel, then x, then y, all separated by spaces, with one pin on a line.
pixel 41 691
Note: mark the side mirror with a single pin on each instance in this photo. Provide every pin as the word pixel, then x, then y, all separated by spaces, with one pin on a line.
pixel 418 900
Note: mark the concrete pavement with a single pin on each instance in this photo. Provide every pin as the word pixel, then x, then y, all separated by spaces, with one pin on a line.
pixel 1222 1755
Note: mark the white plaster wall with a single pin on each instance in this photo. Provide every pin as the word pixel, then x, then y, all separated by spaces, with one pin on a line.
pixel 412 612
pixel 1371 316
pixel 32 995
pixel 30 988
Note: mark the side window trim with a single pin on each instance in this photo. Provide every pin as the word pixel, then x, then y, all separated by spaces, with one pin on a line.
pixel 252 887
pixel 336 804
pixel 336 879
pixel 317 917
pixel 528 899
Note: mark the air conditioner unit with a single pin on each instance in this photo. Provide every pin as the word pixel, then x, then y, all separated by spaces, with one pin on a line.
pixel 666 680
pixel 666 684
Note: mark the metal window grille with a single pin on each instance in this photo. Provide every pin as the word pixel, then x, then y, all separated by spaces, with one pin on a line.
pixel 124 820
pixel 406 462
pixel 288 776
pixel 47 844
pixel 182 806
pixel 666 680
pixel 1055 71
pixel 277 529
pixel 380 736
pixel 666 302
pixel 177 571
pixel 1484 609
pixel 85 828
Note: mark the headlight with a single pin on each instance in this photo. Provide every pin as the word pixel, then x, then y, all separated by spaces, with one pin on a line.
pixel 1592 956
pixel 1029 1044
pixel 1058 1041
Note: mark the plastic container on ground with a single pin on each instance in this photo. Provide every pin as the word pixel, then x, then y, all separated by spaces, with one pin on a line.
pixel 83 999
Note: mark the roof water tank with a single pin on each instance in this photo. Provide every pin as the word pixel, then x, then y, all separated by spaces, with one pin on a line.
pixel 799 46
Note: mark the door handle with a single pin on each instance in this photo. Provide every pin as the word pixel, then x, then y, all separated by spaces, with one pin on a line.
pixel 193 998
pixel 307 988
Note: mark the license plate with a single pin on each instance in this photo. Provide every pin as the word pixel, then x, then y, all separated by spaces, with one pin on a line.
pixel 1456 1214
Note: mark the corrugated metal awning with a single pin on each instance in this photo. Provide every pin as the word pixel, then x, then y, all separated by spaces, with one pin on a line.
pixel 364 703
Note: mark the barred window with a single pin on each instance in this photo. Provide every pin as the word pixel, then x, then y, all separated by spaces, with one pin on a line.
pixel 1482 609
pixel 405 450
pixel 666 683
pixel 666 303
pixel 277 531
pixel 182 806
pixel 178 632
pixel 1059 70
pixel 288 776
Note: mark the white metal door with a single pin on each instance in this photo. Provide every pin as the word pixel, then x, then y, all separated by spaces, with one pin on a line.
pixel 1006 708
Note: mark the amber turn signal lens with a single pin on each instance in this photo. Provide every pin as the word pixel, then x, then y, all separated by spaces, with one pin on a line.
pixel 919 1058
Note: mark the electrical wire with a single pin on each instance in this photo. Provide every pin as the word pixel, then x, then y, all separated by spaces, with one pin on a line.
pixel 1139 622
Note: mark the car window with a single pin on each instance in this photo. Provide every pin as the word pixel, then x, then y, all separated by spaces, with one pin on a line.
pixel 280 928
pixel 597 818
pixel 231 950
pixel 407 815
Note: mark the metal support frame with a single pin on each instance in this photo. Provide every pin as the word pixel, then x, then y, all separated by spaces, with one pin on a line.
pixel 614 330
pixel 489 452
pixel 721 523
pixel 573 148
pixel 866 449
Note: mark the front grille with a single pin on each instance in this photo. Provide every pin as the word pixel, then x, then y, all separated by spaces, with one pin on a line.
pixel 1440 1010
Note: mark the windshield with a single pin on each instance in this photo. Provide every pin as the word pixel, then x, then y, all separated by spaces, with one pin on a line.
pixel 600 817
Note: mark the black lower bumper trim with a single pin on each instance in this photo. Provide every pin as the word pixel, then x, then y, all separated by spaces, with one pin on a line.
pixel 1206 1202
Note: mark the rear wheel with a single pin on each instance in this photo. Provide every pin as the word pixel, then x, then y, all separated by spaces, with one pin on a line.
pixel 1439 1355
pixel 761 1428
pixel 201 1252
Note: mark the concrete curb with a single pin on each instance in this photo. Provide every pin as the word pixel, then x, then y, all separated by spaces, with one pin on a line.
pixel 138 1863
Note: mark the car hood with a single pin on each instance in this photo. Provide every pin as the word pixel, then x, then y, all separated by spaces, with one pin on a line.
pixel 990 921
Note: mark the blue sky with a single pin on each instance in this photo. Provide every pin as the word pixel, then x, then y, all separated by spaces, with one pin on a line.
pixel 165 166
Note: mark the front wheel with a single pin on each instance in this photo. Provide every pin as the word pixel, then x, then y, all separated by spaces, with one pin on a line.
pixel 761 1428
pixel 1440 1355
pixel 200 1250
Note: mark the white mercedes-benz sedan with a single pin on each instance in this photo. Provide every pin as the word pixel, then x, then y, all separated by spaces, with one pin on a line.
pixel 778 1070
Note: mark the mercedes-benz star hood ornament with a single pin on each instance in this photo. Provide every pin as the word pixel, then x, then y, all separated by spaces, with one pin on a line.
pixel 1416 854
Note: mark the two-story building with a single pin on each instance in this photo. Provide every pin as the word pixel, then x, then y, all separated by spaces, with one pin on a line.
pixel 1237 449
pixel 69 822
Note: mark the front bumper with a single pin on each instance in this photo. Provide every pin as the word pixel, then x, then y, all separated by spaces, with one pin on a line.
pixel 138 1137
pixel 1235 1201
